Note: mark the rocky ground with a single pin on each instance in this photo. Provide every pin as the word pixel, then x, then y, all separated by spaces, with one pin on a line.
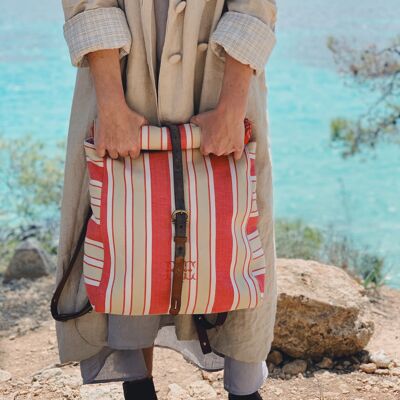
pixel 29 366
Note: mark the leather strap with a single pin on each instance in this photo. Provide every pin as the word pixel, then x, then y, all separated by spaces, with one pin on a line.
pixel 179 218
pixel 57 294
pixel 202 325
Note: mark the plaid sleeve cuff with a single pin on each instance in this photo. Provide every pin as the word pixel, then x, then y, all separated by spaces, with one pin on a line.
pixel 97 29
pixel 245 38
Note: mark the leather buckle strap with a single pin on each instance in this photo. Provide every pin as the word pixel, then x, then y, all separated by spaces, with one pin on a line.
pixel 179 217
pixel 174 214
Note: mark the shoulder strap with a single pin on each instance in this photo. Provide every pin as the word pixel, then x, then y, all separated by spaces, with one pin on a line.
pixel 57 294
pixel 202 325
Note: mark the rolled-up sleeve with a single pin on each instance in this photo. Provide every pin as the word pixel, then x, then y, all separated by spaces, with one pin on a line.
pixel 246 32
pixel 89 28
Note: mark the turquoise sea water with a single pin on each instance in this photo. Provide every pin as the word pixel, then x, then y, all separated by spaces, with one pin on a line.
pixel 358 196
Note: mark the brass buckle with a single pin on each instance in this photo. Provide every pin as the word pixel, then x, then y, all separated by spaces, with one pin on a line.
pixel 173 216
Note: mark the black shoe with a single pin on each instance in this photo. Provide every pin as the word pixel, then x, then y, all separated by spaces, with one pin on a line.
pixel 254 396
pixel 142 389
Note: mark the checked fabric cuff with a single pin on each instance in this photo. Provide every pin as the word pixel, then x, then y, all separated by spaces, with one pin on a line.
pixel 245 38
pixel 97 29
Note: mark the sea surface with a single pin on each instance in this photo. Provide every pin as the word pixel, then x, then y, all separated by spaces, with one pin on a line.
pixel 359 196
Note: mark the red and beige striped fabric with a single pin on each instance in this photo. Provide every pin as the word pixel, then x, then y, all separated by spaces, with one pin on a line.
pixel 128 249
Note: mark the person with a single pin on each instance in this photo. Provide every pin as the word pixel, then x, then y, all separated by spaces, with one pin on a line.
pixel 145 62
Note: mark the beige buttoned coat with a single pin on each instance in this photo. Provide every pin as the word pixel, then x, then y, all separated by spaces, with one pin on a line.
pixel 190 77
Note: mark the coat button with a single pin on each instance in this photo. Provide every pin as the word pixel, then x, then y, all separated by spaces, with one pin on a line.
pixel 180 7
pixel 202 46
pixel 175 58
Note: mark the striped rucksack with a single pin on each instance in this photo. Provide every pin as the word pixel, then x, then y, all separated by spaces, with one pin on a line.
pixel 172 231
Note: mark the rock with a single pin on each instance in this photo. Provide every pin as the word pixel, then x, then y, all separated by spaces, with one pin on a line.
pixel 202 390
pixel 369 368
pixel 382 371
pixel 270 367
pixel 275 357
pixel 395 371
pixel 326 363
pixel 212 376
pixel 381 359
pixel 4 375
pixel 47 374
pixel 355 360
pixel 346 363
pixel 321 311
pixel 277 391
pixel 177 393
pixel 29 261
pixel 367 387
pixel 363 357
pixel 295 367
pixel 387 384
pixel 344 390
pixel 101 392
pixel 322 373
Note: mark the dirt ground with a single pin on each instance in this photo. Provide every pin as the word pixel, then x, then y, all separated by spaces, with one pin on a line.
pixel 29 366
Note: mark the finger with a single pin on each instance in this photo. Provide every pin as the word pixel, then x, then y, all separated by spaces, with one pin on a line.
pixel 113 153
pixel 218 150
pixel 134 151
pixel 134 154
pixel 100 147
pixel 238 154
pixel 226 150
pixel 123 153
pixel 194 120
pixel 204 151
pixel 100 151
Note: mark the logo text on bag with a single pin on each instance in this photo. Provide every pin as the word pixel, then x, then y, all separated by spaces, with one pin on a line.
pixel 189 269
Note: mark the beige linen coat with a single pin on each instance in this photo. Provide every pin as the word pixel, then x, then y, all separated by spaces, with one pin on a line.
pixel 190 77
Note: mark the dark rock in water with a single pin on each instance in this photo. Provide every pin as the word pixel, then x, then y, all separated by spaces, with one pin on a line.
pixel 29 261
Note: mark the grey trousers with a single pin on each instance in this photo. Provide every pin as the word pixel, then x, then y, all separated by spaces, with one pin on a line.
pixel 122 359
pixel 127 365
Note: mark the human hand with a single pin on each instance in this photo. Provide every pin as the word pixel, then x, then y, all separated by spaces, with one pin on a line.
pixel 117 127
pixel 117 131
pixel 223 129
pixel 222 132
